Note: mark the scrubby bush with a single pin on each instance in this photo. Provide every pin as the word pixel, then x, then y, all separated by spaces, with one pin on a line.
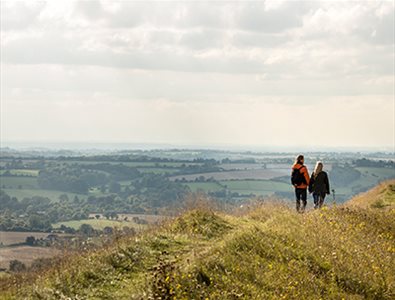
pixel 17 266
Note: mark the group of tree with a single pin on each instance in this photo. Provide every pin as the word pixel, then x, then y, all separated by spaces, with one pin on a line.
pixel 38 213
pixel 363 162
pixel 145 194
pixel 70 179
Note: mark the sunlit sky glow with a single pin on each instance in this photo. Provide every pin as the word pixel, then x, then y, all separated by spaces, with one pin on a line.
pixel 281 73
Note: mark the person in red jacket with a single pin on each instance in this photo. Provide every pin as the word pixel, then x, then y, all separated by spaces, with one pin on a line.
pixel 300 180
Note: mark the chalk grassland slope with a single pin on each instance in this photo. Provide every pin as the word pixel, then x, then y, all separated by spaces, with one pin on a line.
pixel 381 196
pixel 269 252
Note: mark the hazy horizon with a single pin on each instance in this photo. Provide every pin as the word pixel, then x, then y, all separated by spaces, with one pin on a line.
pixel 282 74
pixel 80 146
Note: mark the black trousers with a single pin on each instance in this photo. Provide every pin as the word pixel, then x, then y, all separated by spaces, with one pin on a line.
pixel 301 195
pixel 318 199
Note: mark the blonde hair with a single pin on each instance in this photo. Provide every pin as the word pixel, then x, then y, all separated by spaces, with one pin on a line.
pixel 318 168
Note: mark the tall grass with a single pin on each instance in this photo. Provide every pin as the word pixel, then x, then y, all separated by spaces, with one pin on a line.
pixel 267 252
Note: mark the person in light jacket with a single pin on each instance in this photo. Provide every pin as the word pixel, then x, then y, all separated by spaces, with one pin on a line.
pixel 319 185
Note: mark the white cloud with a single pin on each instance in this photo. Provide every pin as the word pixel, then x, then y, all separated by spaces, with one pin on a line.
pixel 169 69
pixel 19 15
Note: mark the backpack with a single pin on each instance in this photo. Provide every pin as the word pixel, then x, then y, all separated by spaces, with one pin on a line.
pixel 297 177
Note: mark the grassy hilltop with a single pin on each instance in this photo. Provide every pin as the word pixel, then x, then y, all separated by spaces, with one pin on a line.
pixel 267 252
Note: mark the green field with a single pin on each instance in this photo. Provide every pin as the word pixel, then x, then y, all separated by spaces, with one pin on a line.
pixel 98 224
pixel 255 174
pixel 256 185
pixel 257 192
pixel 21 172
pixel 95 191
pixel 125 182
pixel 14 182
pixel 158 170
pixel 205 186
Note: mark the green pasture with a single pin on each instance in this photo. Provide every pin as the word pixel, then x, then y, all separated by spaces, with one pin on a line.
pixel 125 182
pixel 205 186
pixel 95 191
pixel 21 172
pixel 256 185
pixel 255 192
pixel 11 182
pixel 159 170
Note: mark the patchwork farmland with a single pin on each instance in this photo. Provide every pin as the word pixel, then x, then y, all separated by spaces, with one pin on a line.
pixel 236 175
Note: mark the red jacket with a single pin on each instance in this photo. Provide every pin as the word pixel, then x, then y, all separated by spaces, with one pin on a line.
pixel 302 170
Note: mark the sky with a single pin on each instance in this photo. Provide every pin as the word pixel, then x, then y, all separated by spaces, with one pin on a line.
pixel 262 73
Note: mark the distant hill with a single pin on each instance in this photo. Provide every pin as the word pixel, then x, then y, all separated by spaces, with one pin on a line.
pixel 264 252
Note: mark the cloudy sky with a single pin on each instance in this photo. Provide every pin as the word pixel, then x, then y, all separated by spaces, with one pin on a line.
pixel 279 73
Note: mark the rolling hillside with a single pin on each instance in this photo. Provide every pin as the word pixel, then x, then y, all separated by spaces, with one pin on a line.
pixel 264 252
pixel 382 196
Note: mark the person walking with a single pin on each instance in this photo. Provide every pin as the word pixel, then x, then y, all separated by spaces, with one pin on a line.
pixel 300 180
pixel 319 185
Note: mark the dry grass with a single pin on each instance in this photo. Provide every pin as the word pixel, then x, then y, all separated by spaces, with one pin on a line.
pixel 25 254
pixel 382 196
pixel 16 237
pixel 268 252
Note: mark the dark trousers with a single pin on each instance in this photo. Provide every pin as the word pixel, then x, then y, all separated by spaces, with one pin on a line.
pixel 318 199
pixel 301 194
